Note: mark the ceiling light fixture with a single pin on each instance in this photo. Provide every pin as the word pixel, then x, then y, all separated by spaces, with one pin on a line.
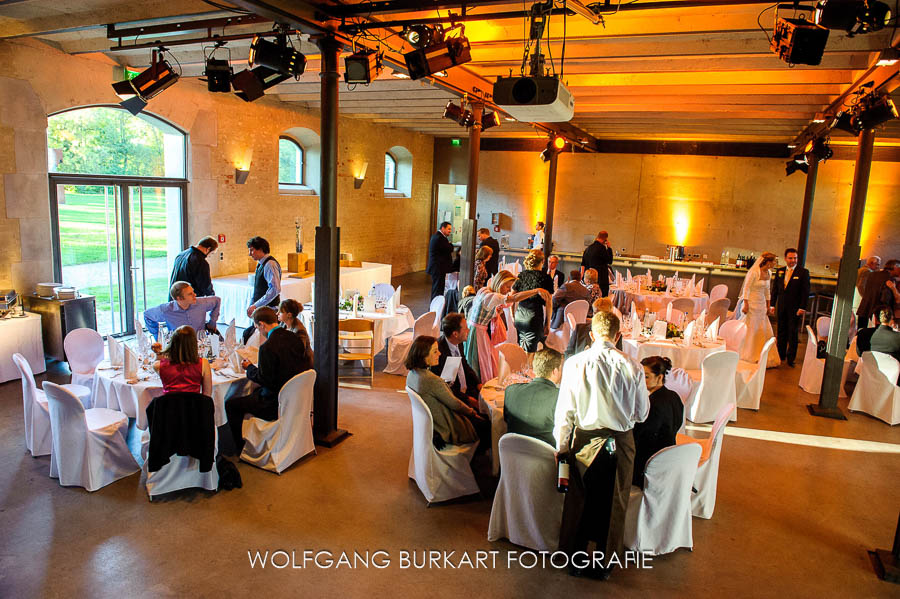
pixel 136 92
pixel 796 163
pixel 279 57
pixel 798 41
pixel 489 120
pixel 421 36
pixel 555 145
pixel 889 57
pixel 876 109
pixel 437 57
pixel 362 67
pixel 853 16
pixel 458 114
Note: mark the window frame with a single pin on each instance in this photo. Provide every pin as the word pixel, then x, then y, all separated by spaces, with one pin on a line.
pixel 393 159
pixel 289 184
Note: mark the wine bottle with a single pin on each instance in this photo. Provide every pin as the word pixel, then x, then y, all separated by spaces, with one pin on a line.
pixel 562 484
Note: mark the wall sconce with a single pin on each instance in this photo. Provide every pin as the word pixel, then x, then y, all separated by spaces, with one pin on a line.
pixel 242 168
pixel 360 176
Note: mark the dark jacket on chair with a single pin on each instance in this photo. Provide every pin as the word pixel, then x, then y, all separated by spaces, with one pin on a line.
pixel 183 424
pixel 281 357
pixel 528 409
pixel 565 295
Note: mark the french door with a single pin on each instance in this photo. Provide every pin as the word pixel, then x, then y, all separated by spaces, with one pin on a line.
pixel 115 238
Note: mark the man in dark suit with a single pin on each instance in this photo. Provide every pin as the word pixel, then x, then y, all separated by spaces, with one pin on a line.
pixel 556 275
pixel 493 263
pixel 885 339
pixel 281 357
pixel 599 256
pixel 573 290
pixel 191 266
pixel 877 293
pixel 790 292
pixel 440 258
pixel 454 331
pixel 528 408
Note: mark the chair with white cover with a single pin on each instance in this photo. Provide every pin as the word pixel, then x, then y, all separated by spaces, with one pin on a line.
pixel 398 345
pixel 750 379
pixel 89 446
pixel 684 305
pixel 437 306
pixel 823 325
pixel 718 309
pixel 383 291
pixel 703 502
pixel 738 311
pixel 274 445
pixel 718 292
pixel 514 355
pixel 679 381
pixel 579 310
pixel 813 367
pixel 37 415
pixel 716 387
pixel 443 474
pixel 658 519
pixel 512 335
pixel 527 509
pixel 733 332
pixel 84 350
pixel 876 392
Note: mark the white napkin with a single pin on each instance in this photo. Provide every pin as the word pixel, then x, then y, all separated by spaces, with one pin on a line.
pixel 234 361
pixel 659 329
pixel 688 333
pixel 143 344
pixel 669 312
pixel 676 275
pixel 693 285
pixel 700 286
pixel 633 308
pixel 230 337
pixel 214 340
pixel 712 333
pixel 391 308
pixel 628 274
pixel 649 275
pixel 635 324
pixel 131 363
pixel 355 305
pixel 395 299
pixel 619 279
pixel 115 352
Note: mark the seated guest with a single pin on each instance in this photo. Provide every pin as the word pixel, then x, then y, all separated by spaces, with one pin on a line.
pixel 590 281
pixel 554 273
pixel 528 408
pixel 884 338
pixel 455 422
pixel 185 309
pixel 454 332
pixel 571 291
pixel 482 256
pixel 288 310
pixel 180 367
pixel 666 415
pixel 281 357
pixel 465 302
pixel 580 339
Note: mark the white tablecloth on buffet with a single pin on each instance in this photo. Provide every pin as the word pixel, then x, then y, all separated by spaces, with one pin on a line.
pixel 689 358
pixel 23 336
pixel 386 326
pixel 111 391
pixel 236 290
pixel 653 301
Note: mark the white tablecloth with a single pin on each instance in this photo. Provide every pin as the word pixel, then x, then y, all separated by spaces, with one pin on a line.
pixel 491 404
pixel 23 336
pixel 653 301
pixel 111 391
pixel 688 358
pixel 385 326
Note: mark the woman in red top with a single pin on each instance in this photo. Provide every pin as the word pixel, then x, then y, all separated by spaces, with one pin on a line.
pixel 180 366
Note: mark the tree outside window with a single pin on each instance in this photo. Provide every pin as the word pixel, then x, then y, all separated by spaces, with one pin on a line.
pixel 290 162
pixel 390 172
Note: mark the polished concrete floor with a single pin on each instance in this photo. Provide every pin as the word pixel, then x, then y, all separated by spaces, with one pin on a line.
pixel 795 516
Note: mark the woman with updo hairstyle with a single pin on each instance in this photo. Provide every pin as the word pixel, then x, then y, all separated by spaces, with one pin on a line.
pixel 665 418
pixel 532 316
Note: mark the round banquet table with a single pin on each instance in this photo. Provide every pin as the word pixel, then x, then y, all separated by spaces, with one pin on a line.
pixel 491 404
pixel 386 325
pixel 653 301
pixel 111 391
pixel 688 358
pixel 21 335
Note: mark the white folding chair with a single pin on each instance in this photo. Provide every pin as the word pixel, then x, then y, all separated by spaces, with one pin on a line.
pixel 274 445
pixel 89 446
pixel 703 502
pixel 37 414
pixel 733 332
pixel 814 368
pixel 876 392
pixel 527 510
pixel 716 387
pixel 514 355
pixel 658 519
pixel 84 350
pixel 718 292
pixel 718 309
pixel 443 474
pixel 398 345
pixel 749 379
pixel 437 306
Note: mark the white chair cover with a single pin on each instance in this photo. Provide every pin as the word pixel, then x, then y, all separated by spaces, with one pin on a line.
pixel 383 291
pixel 750 379
pixel 658 520
pixel 558 339
pixel 437 306
pixel 527 509
pixel 733 332
pixel 84 350
pixel 398 345
pixel 274 445
pixel 514 355
pixel 823 325
pixel 512 335
pixel 876 392
pixel 578 309
pixel 440 475
pixel 813 367
pixel 718 292
pixel 718 309
pixel 685 305
pixel 703 502
pixel 37 415
pixel 716 387
pixel 688 333
pixel 89 448
pixel 182 472
pixel 679 381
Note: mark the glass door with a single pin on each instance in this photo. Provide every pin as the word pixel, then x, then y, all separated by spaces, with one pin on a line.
pixel 156 238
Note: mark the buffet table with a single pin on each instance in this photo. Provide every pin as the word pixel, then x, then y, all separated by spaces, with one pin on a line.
pixel 20 335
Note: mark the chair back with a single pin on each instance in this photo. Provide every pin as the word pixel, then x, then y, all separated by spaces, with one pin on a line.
pixel 29 393
pixel 811 341
pixel 823 324
pixel 514 355
pixel 886 364
pixel 718 427
pixel 437 305
pixel 356 325
pixel 423 432
pixel 685 305
pixel 579 309
pixel 718 292
pixel 679 381
pixel 738 309
pixel 84 350
pixel 572 325
pixel 68 426
pixel 733 332
pixel 755 385
pixel 383 291
pixel 618 314
pixel 668 478
pixel 718 309
pixel 424 325
pixel 296 396
pixel 512 335
pixel 717 386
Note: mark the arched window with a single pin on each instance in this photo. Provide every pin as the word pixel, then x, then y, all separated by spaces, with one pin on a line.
pixel 290 162
pixel 390 172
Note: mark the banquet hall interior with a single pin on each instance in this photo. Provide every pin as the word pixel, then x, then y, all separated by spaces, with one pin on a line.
pixel 695 135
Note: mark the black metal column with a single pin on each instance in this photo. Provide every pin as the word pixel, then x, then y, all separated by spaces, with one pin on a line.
pixel 467 257
pixel 843 298
pixel 327 257
pixel 551 202
pixel 806 217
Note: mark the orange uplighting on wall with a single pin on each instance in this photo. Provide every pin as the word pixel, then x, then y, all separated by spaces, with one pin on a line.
pixel 682 225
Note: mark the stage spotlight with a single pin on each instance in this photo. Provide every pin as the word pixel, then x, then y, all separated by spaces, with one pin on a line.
pixel 136 92
pixel 250 85
pixel 278 57
pixel 420 36
pixel 555 145
pixel 218 75
pixel 559 143
pixel 853 16
pixel 845 120
pixel 818 150
pixel 876 110
pixel 458 115
pixel 489 119
pixel 798 162
pixel 362 67
pixel 437 57
pixel 797 41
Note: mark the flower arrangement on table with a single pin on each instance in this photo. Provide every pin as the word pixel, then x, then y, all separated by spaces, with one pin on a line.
pixel 673 332
pixel 346 304
pixel 659 286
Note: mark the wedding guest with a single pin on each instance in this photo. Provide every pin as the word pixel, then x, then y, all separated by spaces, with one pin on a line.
pixel 266 282
pixel 288 312
pixel 599 256
pixel 665 417
pixel 493 263
pixel 455 422
pixel 538 241
pixel 454 332
pixel 465 302
pixel 580 339
pixel 571 291
pixel 528 408
pixel 877 292
pixel 482 257
pixel 590 282
pixel 790 292
pixel 191 266
pixel 884 338
pixel 532 316
pixel 555 274
pixel 180 367
pixel 185 309
pixel 440 258
pixel 862 275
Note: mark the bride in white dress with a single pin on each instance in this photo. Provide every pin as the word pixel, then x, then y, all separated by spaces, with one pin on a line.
pixel 755 294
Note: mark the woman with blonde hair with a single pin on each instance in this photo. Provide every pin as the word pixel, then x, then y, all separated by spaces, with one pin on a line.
pixel 532 316
pixel 756 294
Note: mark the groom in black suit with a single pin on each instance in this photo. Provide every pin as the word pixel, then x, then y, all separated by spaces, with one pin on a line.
pixel 790 292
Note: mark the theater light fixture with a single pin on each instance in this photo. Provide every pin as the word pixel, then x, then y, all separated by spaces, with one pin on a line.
pixel 459 115
pixel 818 150
pixel 362 67
pixel 798 162
pixel 555 145
pixel 437 57
pixel 853 16
pixel 845 120
pixel 489 119
pixel 218 75
pixel 136 92
pixel 797 41
pixel 277 56
pixel 889 57
pixel 421 36
pixel 876 109
pixel 250 85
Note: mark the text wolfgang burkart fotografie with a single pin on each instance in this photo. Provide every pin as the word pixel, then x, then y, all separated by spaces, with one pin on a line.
pixel 437 559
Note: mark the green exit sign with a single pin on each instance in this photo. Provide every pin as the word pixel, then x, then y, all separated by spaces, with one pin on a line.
pixel 454 142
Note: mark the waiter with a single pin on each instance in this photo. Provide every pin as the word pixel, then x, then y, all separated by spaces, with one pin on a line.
pixel 266 283
pixel 440 258
pixel 191 267
pixel 599 256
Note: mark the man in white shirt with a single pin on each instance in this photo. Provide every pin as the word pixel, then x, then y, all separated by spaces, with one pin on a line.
pixel 602 395
pixel 556 275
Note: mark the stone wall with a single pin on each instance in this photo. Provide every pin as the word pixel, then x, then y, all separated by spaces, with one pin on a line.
pixel 37 80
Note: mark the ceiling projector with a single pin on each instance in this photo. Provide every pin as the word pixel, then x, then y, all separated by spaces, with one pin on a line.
pixel 534 99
